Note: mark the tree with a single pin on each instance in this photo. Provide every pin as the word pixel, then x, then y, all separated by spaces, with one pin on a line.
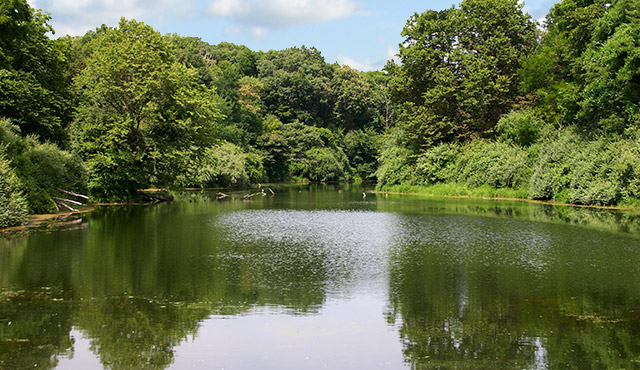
pixel 297 85
pixel 585 70
pixel 459 69
pixel 354 105
pixel 33 85
pixel 194 53
pixel 611 96
pixel 143 117
pixel 553 76
pixel 379 82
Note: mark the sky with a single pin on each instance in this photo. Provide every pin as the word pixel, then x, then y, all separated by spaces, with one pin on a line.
pixel 363 34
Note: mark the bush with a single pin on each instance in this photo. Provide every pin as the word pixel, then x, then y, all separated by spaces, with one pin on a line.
pixel 45 167
pixel 254 167
pixel 397 163
pixel 13 205
pixel 292 149
pixel 10 138
pixel 498 164
pixel 227 165
pixel 113 178
pixel 520 127
pixel 41 168
pixel 438 164
pixel 324 164
pixel 551 174
pixel 598 172
pixel 605 173
pixel 362 147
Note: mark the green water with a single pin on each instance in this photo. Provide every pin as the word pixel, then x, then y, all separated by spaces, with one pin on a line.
pixel 318 277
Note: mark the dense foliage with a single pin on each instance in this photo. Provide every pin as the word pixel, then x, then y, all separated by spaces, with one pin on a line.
pixel 459 69
pixel 14 206
pixel 483 98
pixel 562 122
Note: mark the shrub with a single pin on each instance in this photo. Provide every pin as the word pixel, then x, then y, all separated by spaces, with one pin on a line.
pixel 605 173
pixel 438 164
pixel 227 165
pixel 13 205
pixel 113 178
pixel 254 167
pixel 498 164
pixel 362 147
pixel 45 167
pixel 551 173
pixel 324 164
pixel 598 172
pixel 10 138
pixel 397 163
pixel 520 127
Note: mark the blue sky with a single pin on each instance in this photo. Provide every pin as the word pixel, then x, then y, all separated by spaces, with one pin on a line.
pixel 363 34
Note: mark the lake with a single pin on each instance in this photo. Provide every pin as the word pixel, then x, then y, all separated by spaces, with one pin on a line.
pixel 320 277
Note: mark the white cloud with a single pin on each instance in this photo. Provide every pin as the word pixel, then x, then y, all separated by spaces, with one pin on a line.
pixel 366 66
pixel 259 32
pixel 270 14
pixel 354 64
pixel 392 54
pixel 225 8
pixel 76 17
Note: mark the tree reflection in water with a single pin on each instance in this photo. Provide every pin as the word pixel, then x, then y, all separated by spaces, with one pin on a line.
pixel 471 284
pixel 465 296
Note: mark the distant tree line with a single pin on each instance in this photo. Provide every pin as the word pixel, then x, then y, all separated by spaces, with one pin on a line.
pixel 483 98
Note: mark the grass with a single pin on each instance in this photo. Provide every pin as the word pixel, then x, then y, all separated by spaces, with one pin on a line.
pixel 487 191
pixel 458 190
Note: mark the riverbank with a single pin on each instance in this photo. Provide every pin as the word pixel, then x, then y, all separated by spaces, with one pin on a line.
pixel 454 190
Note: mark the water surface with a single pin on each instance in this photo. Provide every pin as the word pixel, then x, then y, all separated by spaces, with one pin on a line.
pixel 319 277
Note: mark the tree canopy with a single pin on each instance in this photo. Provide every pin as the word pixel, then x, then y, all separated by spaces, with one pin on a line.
pixel 143 117
pixel 459 69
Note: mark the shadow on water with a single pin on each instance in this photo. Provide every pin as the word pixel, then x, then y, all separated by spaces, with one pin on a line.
pixel 467 283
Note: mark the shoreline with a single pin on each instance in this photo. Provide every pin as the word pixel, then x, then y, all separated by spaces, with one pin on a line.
pixel 534 201
pixel 39 220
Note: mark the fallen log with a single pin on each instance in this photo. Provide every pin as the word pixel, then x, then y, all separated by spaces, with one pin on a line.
pixel 66 206
pixel 249 196
pixel 69 201
pixel 221 196
pixel 272 193
pixel 72 193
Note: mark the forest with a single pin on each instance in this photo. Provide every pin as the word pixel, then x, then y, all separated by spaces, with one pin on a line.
pixel 484 101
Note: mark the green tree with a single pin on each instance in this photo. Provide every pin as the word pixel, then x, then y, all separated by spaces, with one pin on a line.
pixel 459 69
pixel 354 105
pixel 296 150
pixel 238 55
pixel 194 53
pixel 33 69
pixel 143 116
pixel 611 96
pixel 297 85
